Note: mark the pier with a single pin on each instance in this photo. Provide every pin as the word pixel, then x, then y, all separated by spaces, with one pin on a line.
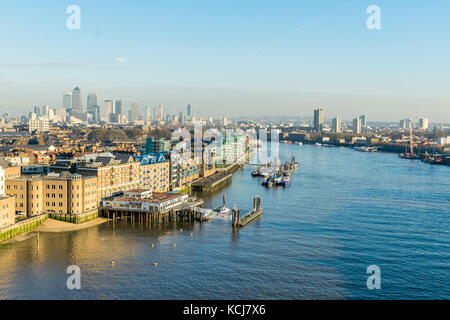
pixel 211 183
pixel 257 211
pixel 185 212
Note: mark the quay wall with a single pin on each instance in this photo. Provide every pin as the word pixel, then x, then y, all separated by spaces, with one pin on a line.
pixel 21 227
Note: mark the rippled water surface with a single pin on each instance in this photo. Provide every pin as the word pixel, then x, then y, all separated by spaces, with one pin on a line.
pixel 345 210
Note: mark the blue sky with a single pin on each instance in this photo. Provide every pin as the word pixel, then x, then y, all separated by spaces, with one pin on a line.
pixel 232 57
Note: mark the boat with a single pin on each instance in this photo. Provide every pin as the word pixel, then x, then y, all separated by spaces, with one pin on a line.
pixel 268 182
pixel 366 149
pixel 409 156
pixel 223 211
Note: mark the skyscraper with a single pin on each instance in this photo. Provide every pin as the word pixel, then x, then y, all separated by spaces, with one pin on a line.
pixel 404 124
pixel 45 109
pixel 118 107
pixel 159 113
pixel 336 124
pixel 318 119
pixel 109 109
pixel 133 112
pixel 423 124
pixel 67 101
pixel 363 119
pixel 92 100
pixel 357 125
pixel 37 111
pixel 77 104
pixel 147 113
pixel 189 111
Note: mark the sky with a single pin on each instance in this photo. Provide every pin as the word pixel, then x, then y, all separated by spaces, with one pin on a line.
pixel 232 58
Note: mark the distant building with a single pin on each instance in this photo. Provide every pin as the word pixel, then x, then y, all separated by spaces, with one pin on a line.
pixel 92 100
pixel 159 113
pixel 404 124
pixel 363 119
pixel 423 124
pixel 60 114
pixel 109 109
pixel 318 119
pixel 37 111
pixel 147 113
pixel 77 104
pixel 133 113
pixel 45 110
pixel 118 109
pixel 357 126
pixel 67 101
pixel 336 125
pixel 156 145
pixel 39 124
pixel 443 141
pixel 189 110
pixel 94 112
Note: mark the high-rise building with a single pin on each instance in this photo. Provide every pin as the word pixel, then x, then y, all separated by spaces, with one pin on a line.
pixel 363 119
pixel 133 112
pixel 189 110
pixel 336 124
pixel 147 113
pixel 357 125
pixel 92 100
pixel 109 109
pixel 67 101
pixel 77 104
pixel 423 124
pixel 404 124
pixel 160 113
pixel 37 111
pixel 94 111
pixel 118 107
pixel 45 109
pixel 318 119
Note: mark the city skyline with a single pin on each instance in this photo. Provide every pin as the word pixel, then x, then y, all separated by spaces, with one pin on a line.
pixel 253 67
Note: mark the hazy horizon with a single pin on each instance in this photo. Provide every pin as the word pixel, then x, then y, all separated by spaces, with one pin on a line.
pixel 231 59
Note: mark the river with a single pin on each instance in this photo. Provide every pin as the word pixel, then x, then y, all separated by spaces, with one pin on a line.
pixel 345 210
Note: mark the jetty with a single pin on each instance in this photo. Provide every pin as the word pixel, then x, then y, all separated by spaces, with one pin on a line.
pixel 211 183
pixel 240 222
pixel 145 207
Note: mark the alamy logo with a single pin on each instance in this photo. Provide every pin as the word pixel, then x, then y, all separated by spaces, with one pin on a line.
pixel 74 20
pixel 374 20
pixel 74 281
pixel 374 281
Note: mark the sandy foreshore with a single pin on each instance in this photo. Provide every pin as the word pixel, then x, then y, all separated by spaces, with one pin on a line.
pixel 58 226
pixel 55 226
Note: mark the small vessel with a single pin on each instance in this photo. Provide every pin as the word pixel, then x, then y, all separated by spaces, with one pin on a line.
pixel 408 156
pixel 268 182
pixel 224 211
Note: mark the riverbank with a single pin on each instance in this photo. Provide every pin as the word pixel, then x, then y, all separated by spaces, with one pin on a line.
pixel 54 226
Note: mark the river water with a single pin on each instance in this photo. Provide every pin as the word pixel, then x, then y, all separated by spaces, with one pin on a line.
pixel 345 210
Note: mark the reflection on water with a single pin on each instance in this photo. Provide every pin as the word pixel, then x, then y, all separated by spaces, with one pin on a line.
pixel 345 210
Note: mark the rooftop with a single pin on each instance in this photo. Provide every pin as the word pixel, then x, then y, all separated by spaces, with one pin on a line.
pixel 155 198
